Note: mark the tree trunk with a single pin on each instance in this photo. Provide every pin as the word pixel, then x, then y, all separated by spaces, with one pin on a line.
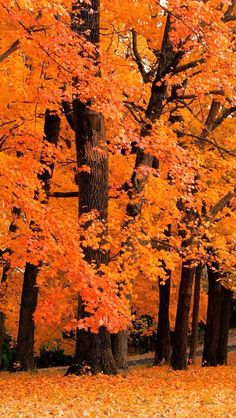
pixel 13 228
pixel 179 353
pixel 120 349
pixel 93 353
pixel 2 315
pixel 163 344
pixel 153 113
pixel 212 331
pixel 92 350
pixel 24 357
pixel 226 305
pixel 195 316
pixel 2 335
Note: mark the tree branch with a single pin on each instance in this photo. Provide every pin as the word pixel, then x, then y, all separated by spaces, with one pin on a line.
pixel 138 58
pixel 228 14
pixel 223 116
pixel 189 65
pixel 214 143
pixel 195 96
pixel 184 23
pixel 68 112
pixel 221 204
pixel 10 50
pixel 67 195
pixel 63 194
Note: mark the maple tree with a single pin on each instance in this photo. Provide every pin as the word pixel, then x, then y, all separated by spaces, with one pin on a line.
pixel 92 350
pixel 25 340
pixel 160 84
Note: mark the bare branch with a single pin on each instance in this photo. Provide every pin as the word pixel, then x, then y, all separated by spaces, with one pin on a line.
pixel 214 143
pixel 228 14
pixel 221 204
pixel 211 117
pixel 68 112
pixel 223 116
pixel 67 195
pixel 138 58
pixel 195 96
pixel 230 18
pixel 63 194
pixel 10 50
pixel 189 65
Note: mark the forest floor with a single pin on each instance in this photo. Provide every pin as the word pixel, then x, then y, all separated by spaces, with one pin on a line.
pixel 146 392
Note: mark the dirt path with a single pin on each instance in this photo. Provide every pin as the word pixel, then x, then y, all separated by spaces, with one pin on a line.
pixel 148 358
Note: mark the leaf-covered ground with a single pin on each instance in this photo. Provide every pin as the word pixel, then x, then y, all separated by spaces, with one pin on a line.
pixel 144 392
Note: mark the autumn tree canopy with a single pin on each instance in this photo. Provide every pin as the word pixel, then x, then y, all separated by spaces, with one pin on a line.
pixel 161 75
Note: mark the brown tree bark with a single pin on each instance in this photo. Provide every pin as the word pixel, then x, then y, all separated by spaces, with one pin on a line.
pixel 6 268
pixel 24 357
pixel 2 335
pixel 92 350
pixel 179 353
pixel 120 349
pixel 2 315
pixel 218 320
pixel 93 353
pixel 195 316
pixel 163 344
pixel 226 306
pixel 212 331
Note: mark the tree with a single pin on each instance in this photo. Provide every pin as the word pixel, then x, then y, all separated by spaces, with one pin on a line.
pixel 56 76
pixel 226 306
pixel 24 357
pixel 195 315
pixel 92 350
pixel 218 318
pixel 5 270
pixel 163 345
